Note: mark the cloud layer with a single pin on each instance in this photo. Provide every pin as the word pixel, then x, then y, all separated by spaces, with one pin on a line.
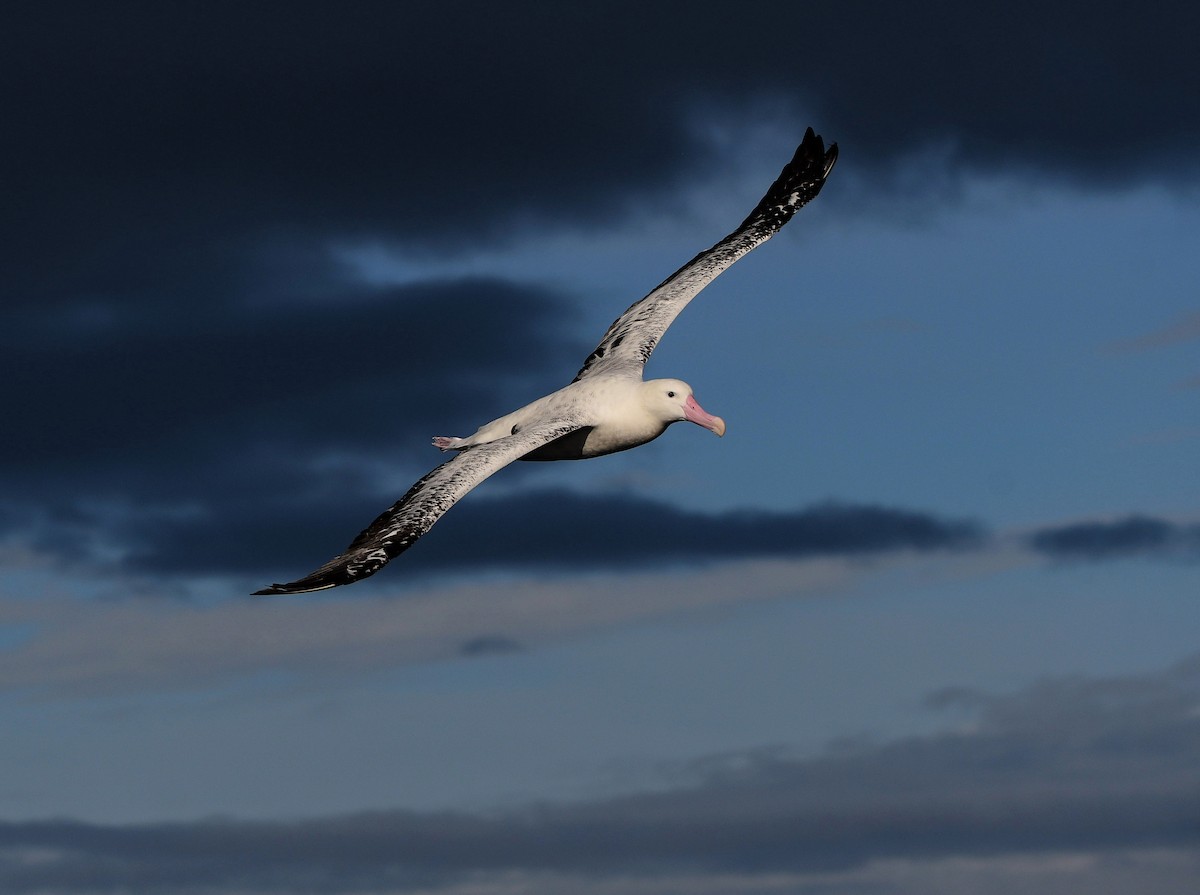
pixel 166 122
pixel 1130 536
pixel 1076 767
pixel 68 648
pixel 555 530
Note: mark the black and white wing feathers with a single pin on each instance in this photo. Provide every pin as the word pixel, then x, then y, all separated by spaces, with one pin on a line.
pixel 398 527
pixel 631 338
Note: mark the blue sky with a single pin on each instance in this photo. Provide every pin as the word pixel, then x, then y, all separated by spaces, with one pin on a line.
pixel 923 621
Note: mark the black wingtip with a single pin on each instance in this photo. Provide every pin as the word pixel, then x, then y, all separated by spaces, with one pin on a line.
pixel 813 147
pixel 303 586
pixel 810 153
pixel 798 184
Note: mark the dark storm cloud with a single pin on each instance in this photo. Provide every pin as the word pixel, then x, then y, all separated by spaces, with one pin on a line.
pixel 168 407
pixel 101 389
pixel 543 529
pixel 174 174
pixel 571 530
pixel 140 138
pixel 1085 766
pixel 159 125
pixel 1128 537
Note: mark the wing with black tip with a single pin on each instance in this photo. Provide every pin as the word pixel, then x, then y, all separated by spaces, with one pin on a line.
pixel 398 527
pixel 629 341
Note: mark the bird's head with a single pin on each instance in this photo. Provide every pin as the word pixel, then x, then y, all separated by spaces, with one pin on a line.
pixel 672 401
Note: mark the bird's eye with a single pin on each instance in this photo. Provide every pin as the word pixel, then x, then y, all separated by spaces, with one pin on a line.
pixel 670 394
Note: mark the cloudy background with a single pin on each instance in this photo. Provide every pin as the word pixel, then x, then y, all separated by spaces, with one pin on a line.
pixel 923 621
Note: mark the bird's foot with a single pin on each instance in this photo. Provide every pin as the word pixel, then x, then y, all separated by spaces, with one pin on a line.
pixel 446 442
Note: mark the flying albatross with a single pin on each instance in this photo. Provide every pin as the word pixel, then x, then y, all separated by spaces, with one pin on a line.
pixel 606 408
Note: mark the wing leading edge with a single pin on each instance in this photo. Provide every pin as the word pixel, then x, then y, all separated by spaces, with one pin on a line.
pixel 630 340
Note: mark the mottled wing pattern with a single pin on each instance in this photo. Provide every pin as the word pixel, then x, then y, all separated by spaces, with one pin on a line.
pixel 398 527
pixel 630 340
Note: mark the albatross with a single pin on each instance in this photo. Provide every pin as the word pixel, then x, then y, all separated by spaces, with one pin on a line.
pixel 606 408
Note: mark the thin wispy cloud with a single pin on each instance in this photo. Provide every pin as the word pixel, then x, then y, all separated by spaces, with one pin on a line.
pixel 1185 329
pixel 140 645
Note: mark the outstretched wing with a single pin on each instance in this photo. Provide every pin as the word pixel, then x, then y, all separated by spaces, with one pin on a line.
pixel 632 337
pixel 398 527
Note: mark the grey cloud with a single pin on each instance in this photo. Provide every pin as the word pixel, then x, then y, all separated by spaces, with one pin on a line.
pixel 1128 537
pixel 140 129
pixel 541 529
pixel 1079 766
pixel 65 648
pixel 192 378
pixel 565 530
pixel 1185 329
pixel 489 645
pixel 191 409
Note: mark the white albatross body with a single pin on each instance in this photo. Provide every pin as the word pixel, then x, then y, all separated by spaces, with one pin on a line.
pixel 616 413
pixel 606 408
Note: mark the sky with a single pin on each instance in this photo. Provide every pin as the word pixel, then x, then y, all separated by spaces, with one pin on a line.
pixel 924 621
